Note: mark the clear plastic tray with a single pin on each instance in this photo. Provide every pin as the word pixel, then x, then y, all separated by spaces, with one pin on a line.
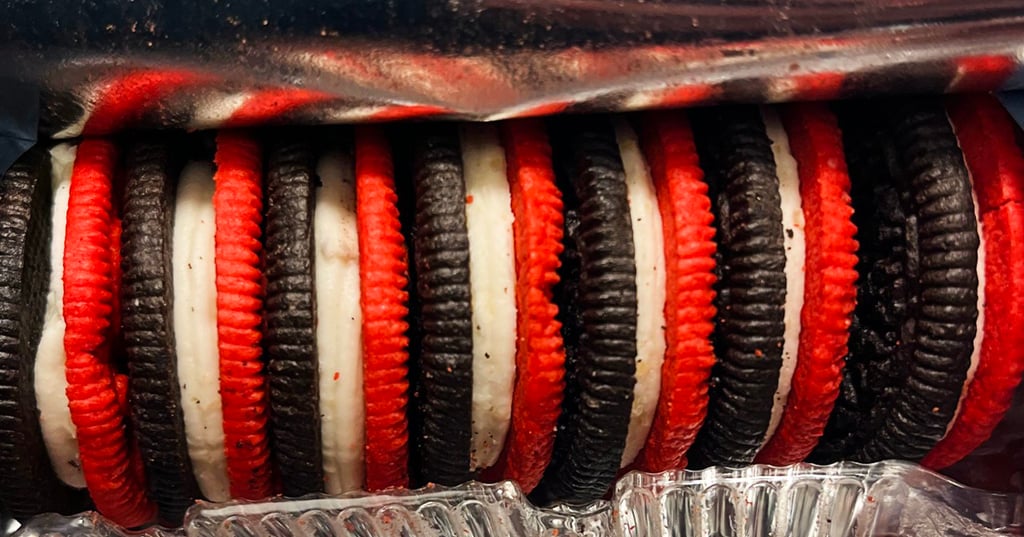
pixel 889 498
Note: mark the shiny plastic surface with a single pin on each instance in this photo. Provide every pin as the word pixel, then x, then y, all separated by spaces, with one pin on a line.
pixel 109 65
pixel 889 498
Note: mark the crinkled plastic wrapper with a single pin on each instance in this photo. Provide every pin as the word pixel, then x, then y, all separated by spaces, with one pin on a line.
pixel 108 65
pixel 889 498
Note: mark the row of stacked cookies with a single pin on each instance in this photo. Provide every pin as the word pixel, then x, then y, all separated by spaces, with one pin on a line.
pixel 242 314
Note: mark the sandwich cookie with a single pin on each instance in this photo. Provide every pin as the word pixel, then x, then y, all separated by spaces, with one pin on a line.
pixel 808 388
pixel 536 205
pixel 29 485
pixel 384 302
pixel 97 393
pixel 986 134
pixel 689 311
pixel 597 294
pixel 759 260
pixel 147 324
pixel 238 214
pixel 916 319
pixel 443 393
pixel 290 338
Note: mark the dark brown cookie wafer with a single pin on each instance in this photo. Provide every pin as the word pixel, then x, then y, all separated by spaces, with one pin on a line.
pixel 152 167
pixel 937 337
pixel 598 309
pixel 915 320
pixel 443 347
pixel 27 483
pixel 737 158
pixel 290 307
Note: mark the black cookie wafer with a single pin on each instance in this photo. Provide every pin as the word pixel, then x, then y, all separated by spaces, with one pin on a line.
pixel 152 167
pixel 736 155
pixel 290 312
pixel 27 483
pixel 927 365
pixel 598 310
pixel 443 350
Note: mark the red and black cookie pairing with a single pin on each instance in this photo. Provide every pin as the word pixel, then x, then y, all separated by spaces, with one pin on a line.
pixel 553 301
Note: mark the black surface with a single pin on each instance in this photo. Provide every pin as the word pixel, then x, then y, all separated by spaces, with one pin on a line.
pixel 597 309
pixel 739 166
pixel 443 351
pixel 153 166
pixel 27 483
pixel 290 313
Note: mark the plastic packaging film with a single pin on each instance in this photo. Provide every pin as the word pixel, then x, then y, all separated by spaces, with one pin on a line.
pixel 888 498
pixel 198 64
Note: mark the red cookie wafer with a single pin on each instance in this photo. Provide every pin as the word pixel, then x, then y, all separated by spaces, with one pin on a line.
pixel 383 281
pixel 987 133
pixel 95 393
pixel 829 286
pixel 689 310
pixel 540 355
pixel 238 206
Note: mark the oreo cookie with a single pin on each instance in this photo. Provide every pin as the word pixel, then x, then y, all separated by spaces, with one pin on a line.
pixel 443 342
pixel 986 133
pixel 914 325
pixel 152 166
pixel 597 299
pixel 29 485
pixel 290 330
pixel 739 166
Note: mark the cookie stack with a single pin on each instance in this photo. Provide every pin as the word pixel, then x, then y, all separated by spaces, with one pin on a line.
pixel 293 311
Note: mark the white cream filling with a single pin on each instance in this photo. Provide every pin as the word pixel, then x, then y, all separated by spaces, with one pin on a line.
pixel 59 433
pixel 649 256
pixel 795 248
pixel 492 289
pixel 339 324
pixel 980 322
pixel 193 263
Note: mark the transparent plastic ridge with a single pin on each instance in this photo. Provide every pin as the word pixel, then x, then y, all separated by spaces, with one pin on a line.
pixel 887 498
